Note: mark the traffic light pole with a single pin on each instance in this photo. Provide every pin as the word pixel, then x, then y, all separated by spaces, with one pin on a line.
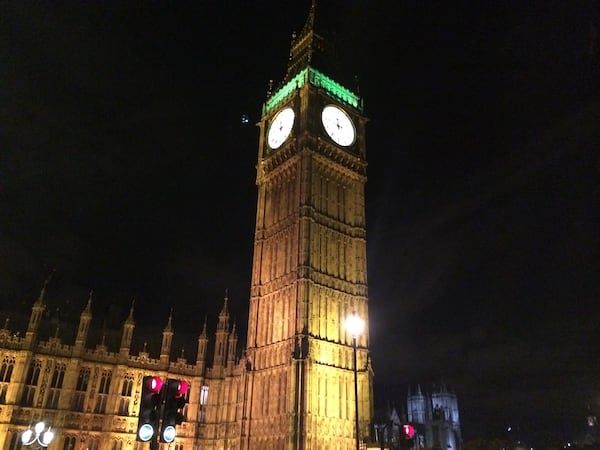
pixel 356 396
pixel 154 445
pixel 154 442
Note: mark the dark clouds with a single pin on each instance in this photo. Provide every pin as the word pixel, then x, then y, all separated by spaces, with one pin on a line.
pixel 498 286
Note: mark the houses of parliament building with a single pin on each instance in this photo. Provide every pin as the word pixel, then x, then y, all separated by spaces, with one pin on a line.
pixel 292 387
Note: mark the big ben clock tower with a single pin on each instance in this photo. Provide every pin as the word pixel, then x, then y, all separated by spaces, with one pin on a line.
pixel 309 266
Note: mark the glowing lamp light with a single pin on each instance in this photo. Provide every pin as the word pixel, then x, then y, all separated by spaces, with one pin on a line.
pixel 409 431
pixel 183 387
pixel 146 432
pixel 355 325
pixel 26 436
pixel 39 433
pixel 46 438
pixel 169 434
pixel 39 427
pixel 156 384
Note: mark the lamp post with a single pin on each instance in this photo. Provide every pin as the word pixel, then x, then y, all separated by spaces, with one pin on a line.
pixel 355 326
pixel 39 434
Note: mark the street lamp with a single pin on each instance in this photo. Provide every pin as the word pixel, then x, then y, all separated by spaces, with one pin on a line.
pixel 355 326
pixel 39 433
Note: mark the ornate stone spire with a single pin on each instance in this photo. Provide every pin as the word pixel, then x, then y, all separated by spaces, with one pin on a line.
pixel 88 307
pixel 167 340
pixel 221 335
pixel 232 344
pixel 309 26
pixel 169 326
pixel 36 314
pixel 41 299
pixel 311 47
pixel 127 334
pixel 85 319
pixel 204 327
pixel 130 317
pixel 224 314
pixel 202 344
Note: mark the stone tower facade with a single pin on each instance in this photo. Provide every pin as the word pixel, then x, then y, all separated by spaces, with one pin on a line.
pixel 309 268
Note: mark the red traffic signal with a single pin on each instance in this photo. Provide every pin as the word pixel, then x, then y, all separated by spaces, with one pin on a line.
pixel 408 431
pixel 153 384
pixel 175 401
pixel 182 388
pixel 149 408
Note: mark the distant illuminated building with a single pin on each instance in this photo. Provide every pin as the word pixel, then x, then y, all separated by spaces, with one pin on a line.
pixel 591 435
pixel 435 417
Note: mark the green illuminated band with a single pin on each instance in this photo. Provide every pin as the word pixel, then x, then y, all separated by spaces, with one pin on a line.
pixel 317 79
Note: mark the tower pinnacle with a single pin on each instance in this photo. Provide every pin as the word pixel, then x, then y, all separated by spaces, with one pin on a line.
pixel 312 47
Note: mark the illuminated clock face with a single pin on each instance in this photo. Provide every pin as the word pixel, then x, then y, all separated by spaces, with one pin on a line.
pixel 280 128
pixel 338 125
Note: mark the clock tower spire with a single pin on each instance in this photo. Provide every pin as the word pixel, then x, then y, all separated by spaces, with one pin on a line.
pixel 309 47
pixel 309 267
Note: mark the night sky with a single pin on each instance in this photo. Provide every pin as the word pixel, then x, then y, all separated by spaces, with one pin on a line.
pixel 125 168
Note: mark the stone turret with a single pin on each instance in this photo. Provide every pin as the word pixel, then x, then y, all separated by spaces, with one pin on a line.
pixel 84 324
pixel 446 402
pixel 37 310
pixel 232 344
pixel 416 407
pixel 127 334
pixel 221 336
pixel 167 340
pixel 201 355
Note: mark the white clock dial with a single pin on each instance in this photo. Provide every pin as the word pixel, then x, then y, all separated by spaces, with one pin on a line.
pixel 280 128
pixel 338 125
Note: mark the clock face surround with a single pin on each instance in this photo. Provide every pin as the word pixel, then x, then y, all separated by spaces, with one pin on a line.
pixel 280 128
pixel 338 125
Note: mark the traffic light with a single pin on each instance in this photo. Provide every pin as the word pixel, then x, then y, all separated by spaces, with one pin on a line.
pixel 406 435
pixel 149 408
pixel 175 391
